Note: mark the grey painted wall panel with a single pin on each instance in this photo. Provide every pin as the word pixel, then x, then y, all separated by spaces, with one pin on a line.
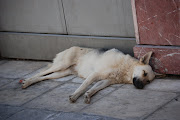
pixel 40 16
pixel 74 17
pixel 99 17
pixel 46 46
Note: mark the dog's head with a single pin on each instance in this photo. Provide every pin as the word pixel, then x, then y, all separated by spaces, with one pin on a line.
pixel 143 73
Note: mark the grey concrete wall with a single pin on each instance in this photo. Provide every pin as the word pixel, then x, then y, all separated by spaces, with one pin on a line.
pixel 75 17
pixel 99 17
pixel 37 16
pixel 110 18
pixel 46 46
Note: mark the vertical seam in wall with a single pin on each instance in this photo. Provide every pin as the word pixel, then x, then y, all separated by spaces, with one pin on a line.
pixel 63 15
pixel 125 23
pixel 120 5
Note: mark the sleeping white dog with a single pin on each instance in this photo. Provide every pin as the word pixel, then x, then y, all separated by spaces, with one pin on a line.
pixel 104 67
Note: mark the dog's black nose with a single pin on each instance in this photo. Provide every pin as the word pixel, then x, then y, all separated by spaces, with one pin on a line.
pixel 148 81
pixel 137 83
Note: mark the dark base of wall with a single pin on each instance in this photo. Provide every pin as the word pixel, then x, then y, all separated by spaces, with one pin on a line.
pixel 46 46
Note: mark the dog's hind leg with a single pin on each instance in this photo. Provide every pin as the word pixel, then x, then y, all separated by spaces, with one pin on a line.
pixel 90 79
pixel 63 61
pixel 51 70
pixel 97 87
pixel 28 82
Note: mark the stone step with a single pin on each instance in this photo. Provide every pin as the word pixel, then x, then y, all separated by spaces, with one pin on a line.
pixel 165 59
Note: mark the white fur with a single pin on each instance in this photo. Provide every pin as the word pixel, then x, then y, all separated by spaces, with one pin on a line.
pixel 111 67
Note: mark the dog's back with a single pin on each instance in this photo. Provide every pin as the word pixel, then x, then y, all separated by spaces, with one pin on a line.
pixel 100 61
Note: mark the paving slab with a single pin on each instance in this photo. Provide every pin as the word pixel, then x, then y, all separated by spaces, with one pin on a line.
pixel 129 103
pixel 58 99
pixel 169 112
pixel 2 61
pixel 13 94
pixel 120 101
pixel 164 85
pixel 65 79
pixel 17 69
pixel 167 85
pixel 78 116
pixel 117 85
pixel 4 81
pixel 32 114
pixel 7 111
pixel 20 113
pixel 77 80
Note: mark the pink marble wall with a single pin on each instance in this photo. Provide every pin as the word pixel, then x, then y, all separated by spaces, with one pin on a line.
pixel 158 21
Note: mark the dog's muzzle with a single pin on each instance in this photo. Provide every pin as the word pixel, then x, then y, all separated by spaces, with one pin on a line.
pixel 138 83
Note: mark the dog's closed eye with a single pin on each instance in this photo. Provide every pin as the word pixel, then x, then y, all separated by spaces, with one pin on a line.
pixel 144 74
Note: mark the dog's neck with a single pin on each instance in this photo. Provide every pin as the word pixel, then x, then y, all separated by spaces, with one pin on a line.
pixel 130 65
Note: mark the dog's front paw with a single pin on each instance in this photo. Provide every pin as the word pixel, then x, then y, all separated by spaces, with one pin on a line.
pixel 72 99
pixel 87 99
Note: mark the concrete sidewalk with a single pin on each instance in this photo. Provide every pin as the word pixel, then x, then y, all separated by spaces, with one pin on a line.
pixel 48 100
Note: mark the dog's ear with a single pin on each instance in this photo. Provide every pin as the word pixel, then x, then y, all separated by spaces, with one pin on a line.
pixel 145 59
pixel 157 75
